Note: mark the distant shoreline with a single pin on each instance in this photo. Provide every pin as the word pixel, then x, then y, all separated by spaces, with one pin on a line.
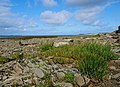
pixel 31 36
pixel 37 36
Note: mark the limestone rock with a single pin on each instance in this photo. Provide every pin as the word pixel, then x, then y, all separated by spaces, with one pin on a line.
pixel 38 72
pixel 1 84
pixel 17 69
pixel 31 65
pixel 116 76
pixel 60 75
pixel 67 85
pixel 81 80
pixel 112 68
pixel 57 44
pixel 117 61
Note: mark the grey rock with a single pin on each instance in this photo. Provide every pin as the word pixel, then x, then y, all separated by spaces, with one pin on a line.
pixel 26 69
pixel 1 84
pixel 57 44
pixel 38 72
pixel 81 81
pixel 60 75
pixel 55 67
pixel 17 69
pixel 116 76
pixel 31 65
pixel 67 85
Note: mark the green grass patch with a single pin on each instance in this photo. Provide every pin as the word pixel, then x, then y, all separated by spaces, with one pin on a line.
pixel 69 77
pixel 17 56
pixel 92 58
pixel 94 67
pixel 12 57
pixel 79 51
pixel 45 46
pixel 3 60
pixel 61 60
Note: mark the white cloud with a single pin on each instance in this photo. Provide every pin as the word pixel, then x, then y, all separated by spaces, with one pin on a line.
pixel 86 3
pixel 49 3
pixel 89 15
pixel 9 19
pixel 55 18
pixel 89 10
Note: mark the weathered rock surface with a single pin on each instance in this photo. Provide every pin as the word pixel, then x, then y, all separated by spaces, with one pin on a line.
pixel 67 85
pixel 60 75
pixel 81 80
pixel 38 72
pixel 57 44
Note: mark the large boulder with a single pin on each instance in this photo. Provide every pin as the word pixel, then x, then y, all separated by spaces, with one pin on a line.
pixel 57 44
pixel 118 31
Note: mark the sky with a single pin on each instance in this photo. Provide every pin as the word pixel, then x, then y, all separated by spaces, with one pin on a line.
pixel 58 17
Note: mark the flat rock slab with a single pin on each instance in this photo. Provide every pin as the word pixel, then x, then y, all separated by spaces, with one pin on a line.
pixel 57 44
pixel 38 72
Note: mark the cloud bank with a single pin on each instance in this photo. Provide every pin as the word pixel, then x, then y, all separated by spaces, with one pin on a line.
pixel 55 18
pixel 89 10
pixel 86 3
pixel 8 19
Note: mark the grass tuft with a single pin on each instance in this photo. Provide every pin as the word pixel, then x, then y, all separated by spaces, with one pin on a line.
pixel 3 60
pixel 94 67
pixel 45 46
pixel 69 77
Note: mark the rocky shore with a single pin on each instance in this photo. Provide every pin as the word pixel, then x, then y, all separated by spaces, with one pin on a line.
pixel 30 72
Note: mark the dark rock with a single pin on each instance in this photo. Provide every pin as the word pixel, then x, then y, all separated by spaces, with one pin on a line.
pixel 118 40
pixel 118 31
pixel 115 37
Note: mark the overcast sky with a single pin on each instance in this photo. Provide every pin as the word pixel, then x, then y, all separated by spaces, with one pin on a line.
pixel 58 17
